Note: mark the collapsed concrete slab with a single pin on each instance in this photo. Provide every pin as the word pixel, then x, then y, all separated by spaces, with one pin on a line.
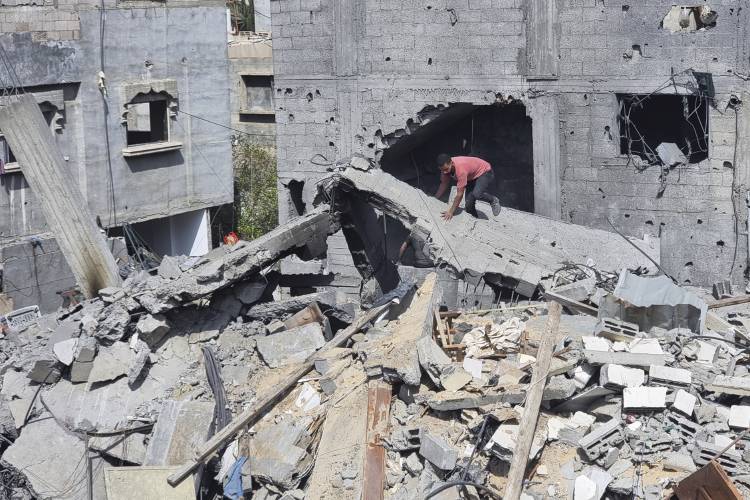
pixel 516 249
pixel 50 457
pixel 223 266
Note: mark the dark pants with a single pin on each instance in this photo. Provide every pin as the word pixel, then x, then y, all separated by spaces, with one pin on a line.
pixel 478 190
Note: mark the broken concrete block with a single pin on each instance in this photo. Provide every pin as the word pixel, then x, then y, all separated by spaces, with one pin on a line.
pixel 8 426
pixel 684 402
pixel 275 326
pixel 65 350
pixel 582 375
pixel 670 154
pixel 703 452
pixel 502 443
pixel 454 378
pixel 596 344
pixel 680 462
pixel 722 289
pixel 438 452
pixel 273 454
pixel 139 360
pixel 86 349
pixel 80 371
pixel 111 294
pixel 47 455
pixel 432 358
pixel 669 376
pixel 616 330
pixel 644 398
pixel 730 385
pixel 739 416
pixel 249 292
pixel 152 328
pixel 404 439
pixel 111 363
pixel 578 290
pixel 181 428
pixel 129 448
pixel 559 387
pixel 331 359
pixel 707 352
pixel 619 377
pixel 45 370
pixel 169 268
pixel 291 346
pixel 112 322
pixel 413 465
pixel 131 483
pixel 623 358
pixel 645 346
pixel 602 438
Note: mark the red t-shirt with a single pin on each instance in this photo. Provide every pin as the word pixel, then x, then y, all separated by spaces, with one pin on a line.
pixel 468 168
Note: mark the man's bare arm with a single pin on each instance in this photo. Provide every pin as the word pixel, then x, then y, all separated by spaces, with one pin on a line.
pixel 454 206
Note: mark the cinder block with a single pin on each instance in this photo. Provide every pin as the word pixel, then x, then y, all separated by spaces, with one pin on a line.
pixel 644 398
pixel 669 376
pixel 438 452
pixel 684 402
pixel 739 416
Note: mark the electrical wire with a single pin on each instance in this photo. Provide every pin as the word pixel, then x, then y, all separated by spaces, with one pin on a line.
pixel 112 200
pixel 451 484
pixel 213 122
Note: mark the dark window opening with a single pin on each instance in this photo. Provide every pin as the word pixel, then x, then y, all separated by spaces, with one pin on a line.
pixel 646 121
pixel 498 133
pixel 147 122
pixel 295 194
pixel 253 118
pixel 259 93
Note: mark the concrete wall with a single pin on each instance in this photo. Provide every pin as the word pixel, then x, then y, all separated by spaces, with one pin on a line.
pixel 350 72
pixel 57 45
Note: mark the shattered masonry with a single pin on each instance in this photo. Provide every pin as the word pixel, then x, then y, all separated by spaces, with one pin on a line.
pixel 196 360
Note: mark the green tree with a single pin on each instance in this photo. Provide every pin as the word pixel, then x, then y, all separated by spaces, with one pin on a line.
pixel 255 196
pixel 243 14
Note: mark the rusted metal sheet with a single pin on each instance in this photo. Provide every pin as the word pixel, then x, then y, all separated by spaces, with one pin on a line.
pixel 378 417
pixel 710 482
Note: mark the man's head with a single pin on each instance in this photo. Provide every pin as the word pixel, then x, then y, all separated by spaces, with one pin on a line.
pixel 445 163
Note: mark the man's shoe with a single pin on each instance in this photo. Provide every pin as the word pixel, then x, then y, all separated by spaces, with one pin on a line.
pixel 496 207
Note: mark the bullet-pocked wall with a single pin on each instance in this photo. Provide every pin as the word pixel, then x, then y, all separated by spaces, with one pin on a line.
pixel 348 72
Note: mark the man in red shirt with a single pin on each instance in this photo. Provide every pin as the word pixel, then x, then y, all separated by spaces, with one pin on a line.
pixel 467 171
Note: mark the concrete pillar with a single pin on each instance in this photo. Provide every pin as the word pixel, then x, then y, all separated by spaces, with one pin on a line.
pixel 56 188
pixel 741 186
pixel 542 40
pixel 545 131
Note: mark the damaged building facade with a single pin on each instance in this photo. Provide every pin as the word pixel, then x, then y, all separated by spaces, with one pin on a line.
pixel 129 93
pixel 630 115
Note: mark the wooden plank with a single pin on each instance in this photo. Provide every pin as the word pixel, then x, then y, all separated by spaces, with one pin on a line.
pixel 731 301
pixel 572 304
pixel 268 401
pixel 378 418
pixel 527 425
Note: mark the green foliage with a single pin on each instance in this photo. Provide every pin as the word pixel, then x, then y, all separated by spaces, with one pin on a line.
pixel 243 14
pixel 255 196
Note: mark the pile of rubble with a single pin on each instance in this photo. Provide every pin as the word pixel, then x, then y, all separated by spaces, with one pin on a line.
pixel 200 381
